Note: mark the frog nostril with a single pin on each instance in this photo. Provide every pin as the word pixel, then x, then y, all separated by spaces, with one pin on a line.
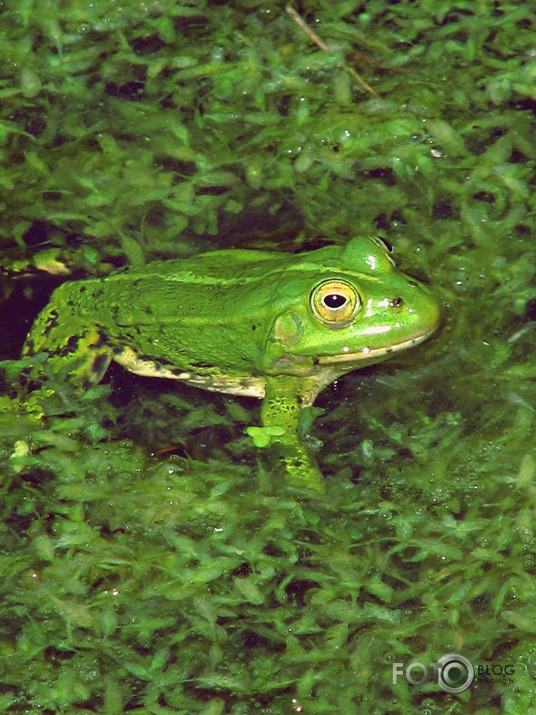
pixel 397 302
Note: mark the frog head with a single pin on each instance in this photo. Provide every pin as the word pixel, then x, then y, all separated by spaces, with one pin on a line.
pixel 346 308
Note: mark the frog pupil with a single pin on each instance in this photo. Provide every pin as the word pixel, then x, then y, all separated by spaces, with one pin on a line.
pixel 334 301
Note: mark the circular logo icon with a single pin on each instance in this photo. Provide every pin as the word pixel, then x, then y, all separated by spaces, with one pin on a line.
pixel 455 673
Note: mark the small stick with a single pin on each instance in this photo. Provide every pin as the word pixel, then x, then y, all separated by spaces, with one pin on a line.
pixel 305 27
pixel 314 37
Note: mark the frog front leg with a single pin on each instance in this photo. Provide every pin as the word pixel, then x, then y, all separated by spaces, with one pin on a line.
pixel 281 410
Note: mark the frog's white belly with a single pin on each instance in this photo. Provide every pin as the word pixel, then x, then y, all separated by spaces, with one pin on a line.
pixel 245 386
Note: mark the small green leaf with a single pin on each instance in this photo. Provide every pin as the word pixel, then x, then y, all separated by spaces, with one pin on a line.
pixel 262 436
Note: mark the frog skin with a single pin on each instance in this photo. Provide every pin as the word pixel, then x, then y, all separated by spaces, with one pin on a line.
pixel 276 326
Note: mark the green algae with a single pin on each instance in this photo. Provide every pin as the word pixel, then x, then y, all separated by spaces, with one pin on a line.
pixel 149 564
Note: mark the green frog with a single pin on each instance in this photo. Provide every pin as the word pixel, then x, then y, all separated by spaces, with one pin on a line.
pixel 276 326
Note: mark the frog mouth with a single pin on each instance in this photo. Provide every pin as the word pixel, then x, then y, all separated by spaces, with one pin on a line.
pixel 367 353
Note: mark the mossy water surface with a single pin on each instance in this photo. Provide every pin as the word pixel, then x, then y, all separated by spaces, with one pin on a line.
pixel 150 564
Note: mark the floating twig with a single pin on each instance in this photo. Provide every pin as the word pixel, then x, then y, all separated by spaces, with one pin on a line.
pixel 318 41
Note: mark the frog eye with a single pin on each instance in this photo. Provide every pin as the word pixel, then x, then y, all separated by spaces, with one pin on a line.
pixel 335 303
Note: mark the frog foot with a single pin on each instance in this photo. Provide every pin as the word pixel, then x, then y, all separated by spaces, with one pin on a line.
pixel 297 460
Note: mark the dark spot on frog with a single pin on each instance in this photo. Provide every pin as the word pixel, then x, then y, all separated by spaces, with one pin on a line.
pixel 52 323
pixel 148 358
pixel 71 346
pixel 24 377
pixel 148 311
pixel 397 302
pixel 100 363
pixel 201 364
pixel 102 340
pixel 254 327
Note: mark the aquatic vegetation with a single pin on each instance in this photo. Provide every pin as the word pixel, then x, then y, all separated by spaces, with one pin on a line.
pixel 149 563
